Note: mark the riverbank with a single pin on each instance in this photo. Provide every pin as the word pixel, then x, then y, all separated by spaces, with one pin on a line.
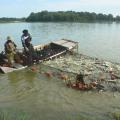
pixel 12 22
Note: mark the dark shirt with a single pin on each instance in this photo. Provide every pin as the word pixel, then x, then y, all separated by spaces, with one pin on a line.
pixel 26 39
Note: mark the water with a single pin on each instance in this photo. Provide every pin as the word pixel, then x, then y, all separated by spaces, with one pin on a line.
pixel 95 39
pixel 38 97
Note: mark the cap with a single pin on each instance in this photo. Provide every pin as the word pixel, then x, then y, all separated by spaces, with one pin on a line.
pixel 9 38
pixel 25 31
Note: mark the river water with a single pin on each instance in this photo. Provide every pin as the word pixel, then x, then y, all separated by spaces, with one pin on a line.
pixel 95 39
pixel 34 96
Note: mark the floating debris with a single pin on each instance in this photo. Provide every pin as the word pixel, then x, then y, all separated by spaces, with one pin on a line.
pixel 49 74
pixel 95 70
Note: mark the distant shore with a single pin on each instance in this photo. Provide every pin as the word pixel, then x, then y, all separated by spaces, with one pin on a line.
pixel 65 16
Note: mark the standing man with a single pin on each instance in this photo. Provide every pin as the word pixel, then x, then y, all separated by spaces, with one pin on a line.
pixel 28 47
pixel 26 40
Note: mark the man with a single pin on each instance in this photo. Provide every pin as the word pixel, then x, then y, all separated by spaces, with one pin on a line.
pixel 28 47
pixel 26 40
pixel 10 50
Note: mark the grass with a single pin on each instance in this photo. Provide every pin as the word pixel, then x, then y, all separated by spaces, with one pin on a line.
pixel 4 115
pixel 116 116
pixel 20 115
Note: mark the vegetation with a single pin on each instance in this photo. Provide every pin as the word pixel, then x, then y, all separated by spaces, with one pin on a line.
pixel 116 116
pixel 4 19
pixel 19 115
pixel 5 115
pixel 64 16
pixel 70 16
pixel 12 114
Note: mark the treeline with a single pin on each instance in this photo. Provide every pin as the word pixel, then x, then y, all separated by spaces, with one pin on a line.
pixel 5 19
pixel 70 16
pixel 64 16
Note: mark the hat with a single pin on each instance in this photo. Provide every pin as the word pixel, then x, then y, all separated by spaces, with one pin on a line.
pixel 25 31
pixel 9 38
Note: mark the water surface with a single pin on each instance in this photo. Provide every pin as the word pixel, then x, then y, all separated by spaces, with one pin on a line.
pixel 42 98
pixel 101 40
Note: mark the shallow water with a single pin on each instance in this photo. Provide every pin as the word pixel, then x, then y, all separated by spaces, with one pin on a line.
pixel 41 97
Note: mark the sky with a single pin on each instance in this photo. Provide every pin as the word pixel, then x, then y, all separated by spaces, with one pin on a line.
pixel 22 8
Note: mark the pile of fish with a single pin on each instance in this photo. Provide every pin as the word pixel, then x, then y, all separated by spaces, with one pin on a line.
pixel 103 72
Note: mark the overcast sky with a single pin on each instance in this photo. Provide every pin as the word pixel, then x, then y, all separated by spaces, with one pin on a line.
pixel 22 8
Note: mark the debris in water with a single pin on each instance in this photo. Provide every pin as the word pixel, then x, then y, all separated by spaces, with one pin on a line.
pixel 49 74
pixel 34 69
pixel 94 70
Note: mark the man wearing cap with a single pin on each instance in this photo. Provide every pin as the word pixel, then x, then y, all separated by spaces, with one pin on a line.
pixel 10 48
pixel 26 39
pixel 28 47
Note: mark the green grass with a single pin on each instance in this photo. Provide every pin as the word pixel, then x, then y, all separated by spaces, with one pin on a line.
pixel 81 118
pixel 4 115
pixel 20 115
pixel 116 116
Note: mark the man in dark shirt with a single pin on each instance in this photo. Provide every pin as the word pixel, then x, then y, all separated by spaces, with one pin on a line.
pixel 28 47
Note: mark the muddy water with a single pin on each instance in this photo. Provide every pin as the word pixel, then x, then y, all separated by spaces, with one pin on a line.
pixel 36 96
pixel 41 97
pixel 100 40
